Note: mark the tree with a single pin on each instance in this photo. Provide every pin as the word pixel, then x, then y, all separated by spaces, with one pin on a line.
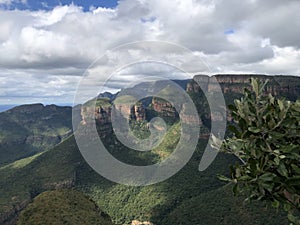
pixel 266 139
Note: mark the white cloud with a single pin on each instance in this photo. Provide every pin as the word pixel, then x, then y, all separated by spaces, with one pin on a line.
pixel 259 36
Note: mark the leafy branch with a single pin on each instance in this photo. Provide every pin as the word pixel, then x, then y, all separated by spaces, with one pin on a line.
pixel 266 139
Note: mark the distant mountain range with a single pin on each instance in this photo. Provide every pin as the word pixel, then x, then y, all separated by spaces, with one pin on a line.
pixel 6 107
pixel 190 197
pixel 28 129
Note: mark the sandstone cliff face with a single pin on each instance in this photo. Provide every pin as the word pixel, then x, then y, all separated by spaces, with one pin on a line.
pixel 136 222
pixel 278 85
pixel 139 112
pixel 284 86
pixel 230 84
pixel 102 115
pixel 68 183
pixel 187 118
pixel 163 107
pixel 135 112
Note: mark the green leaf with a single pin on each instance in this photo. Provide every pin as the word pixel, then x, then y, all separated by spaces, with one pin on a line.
pixel 223 178
pixel 254 84
pixel 293 219
pixel 277 160
pixel 267 177
pixel 296 168
pixel 282 170
pixel 254 129
pixel 275 204
pixel 280 104
pixel 293 181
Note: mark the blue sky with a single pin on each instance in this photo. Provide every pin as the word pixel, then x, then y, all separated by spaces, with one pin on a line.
pixel 50 4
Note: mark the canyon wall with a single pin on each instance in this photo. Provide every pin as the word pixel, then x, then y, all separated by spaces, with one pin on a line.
pixel 287 86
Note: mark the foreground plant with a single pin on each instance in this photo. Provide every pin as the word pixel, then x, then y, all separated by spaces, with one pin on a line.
pixel 266 139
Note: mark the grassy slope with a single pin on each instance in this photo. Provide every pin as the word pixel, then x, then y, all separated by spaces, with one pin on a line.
pixel 63 207
pixel 19 183
pixel 161 203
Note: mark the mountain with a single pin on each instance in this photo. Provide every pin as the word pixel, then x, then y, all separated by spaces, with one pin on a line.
pixel 63 167
pixel 28 129
pixel 189 197
pixel 107 95
pixel 64 206
pixel 232 85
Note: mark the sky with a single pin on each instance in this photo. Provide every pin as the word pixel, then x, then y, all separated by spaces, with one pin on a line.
pixel 46 47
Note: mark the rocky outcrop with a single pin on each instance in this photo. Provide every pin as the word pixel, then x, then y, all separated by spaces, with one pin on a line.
pixel 136 222
pixel 101 113
pixel 134 112
pixel 138 112
pixel 283 86
pixel 288 86
pixel 187 118
pixel 69 183
pixel 164 107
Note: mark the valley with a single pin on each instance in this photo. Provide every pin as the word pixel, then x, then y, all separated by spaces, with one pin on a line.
pixel 39 153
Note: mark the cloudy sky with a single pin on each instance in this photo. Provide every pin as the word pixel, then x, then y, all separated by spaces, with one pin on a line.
pixel 47 46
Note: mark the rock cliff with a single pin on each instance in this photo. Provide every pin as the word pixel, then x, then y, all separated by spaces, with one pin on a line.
pixel 233 85
pixel 164 107
pixel 136 222
pixel 101 110
pixel 287 86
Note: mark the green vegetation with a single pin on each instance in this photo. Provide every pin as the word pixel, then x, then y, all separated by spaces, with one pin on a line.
pixel 103 102
pixel 219 206
pixel 267 141
pixel 139 129
pixel 189 197
pixel 38 174
pixel 169 114
pixel 125 99
pixel 123 203
pixel 29 129
pixel 63 207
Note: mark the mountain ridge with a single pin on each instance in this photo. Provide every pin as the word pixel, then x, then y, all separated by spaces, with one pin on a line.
pixel 164 203
pixel 29 129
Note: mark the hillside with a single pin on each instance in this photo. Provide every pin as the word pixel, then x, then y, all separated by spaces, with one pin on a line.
pixel 64 206
pixel 29 129
pixel 189 197
pixel 63 167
